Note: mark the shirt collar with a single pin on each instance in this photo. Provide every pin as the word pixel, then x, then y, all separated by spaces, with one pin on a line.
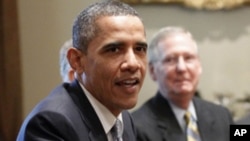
pixel 179 113
pixel 106 117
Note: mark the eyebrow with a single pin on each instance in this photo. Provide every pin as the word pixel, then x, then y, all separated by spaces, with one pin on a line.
pixel 144 44
pixel 113 44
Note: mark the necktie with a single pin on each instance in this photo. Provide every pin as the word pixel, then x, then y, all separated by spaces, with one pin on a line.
pixel 117 131
pixel 192 129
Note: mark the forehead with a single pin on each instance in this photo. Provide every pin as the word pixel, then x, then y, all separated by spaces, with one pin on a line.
pixel 177 43
pixel 120 27
pixel 116 22
pixel 125 29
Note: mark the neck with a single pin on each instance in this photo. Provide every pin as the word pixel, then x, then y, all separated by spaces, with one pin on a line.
pixel 182 103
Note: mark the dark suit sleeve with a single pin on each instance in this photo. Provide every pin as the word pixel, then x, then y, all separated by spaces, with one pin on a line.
pixel 49 126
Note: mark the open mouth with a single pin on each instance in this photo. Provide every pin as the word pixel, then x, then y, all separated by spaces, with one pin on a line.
pixel 128 82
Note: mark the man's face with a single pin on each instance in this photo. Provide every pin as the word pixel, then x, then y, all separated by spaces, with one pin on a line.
pixel 115 63
pixel 178 69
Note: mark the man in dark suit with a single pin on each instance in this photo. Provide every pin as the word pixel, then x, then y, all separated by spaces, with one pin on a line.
pixel 109 61
pixel 175 66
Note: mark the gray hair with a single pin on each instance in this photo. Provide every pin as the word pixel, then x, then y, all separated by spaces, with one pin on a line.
pixel 64 64
pixel 153 52
pixel 85 28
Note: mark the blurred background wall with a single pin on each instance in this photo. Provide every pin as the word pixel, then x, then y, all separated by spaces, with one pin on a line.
pixel 223 37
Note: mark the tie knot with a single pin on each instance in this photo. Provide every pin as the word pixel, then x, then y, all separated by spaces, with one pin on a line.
pixel 187 117
pixel 117 130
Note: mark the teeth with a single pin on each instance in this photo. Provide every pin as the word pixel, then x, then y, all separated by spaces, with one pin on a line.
pixel 129 81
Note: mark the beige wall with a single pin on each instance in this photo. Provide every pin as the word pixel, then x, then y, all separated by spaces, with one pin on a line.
pixel 223 38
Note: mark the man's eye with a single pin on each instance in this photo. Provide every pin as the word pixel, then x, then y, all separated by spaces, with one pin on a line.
pixel 113 49
pixel 170 60
pixel 144 49
pixel 189 58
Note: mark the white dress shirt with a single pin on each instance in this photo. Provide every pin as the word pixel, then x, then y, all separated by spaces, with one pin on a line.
pixel 179 114
pixel 105 116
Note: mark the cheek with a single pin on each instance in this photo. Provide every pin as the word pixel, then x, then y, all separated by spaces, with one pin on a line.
pixel 98 71
pixel 163 73
pixel 144 69
pixel 106 72
pixel 196 71
pixel 144 63
pixel 170 77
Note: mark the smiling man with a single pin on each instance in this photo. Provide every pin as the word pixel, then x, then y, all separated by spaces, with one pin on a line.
pixel 175 66
pixel 109 61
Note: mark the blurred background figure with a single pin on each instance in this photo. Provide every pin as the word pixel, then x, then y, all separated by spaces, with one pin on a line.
pixel 244 120
pixel 176 112
pixel 67 73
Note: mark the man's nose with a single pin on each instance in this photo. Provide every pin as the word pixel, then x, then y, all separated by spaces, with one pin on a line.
pixel 130 62
pixel 181 65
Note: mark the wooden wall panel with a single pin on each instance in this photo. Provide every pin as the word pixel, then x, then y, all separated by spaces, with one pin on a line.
pixel 10 72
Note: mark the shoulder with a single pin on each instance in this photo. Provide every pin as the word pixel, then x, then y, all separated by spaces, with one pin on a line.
pixel 58 101
pixel 56 115
pixel 51 125
pixel 212 110
pixel 57 104
pixel 200 103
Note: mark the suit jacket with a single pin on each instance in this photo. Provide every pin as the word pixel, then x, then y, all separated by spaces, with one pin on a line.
pixel 67 115
pixel 155 121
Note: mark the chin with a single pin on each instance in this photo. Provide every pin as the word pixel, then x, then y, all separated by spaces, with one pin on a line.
pixel 129 104
pixel 184 92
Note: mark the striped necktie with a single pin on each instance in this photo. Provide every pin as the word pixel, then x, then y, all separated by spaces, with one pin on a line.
pixel 117 131
pixel 192 129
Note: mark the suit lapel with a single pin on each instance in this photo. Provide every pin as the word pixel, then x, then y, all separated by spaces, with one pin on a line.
pixel 89 116
pixel 125 135
pixel 129 130
pixel 205 121
pixel 165 118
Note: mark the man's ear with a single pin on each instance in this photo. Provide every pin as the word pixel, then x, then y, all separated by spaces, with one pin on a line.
pixel 75 59
pixel 200 70
pixel 200 67
pixel 71 74
pixel 152 71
